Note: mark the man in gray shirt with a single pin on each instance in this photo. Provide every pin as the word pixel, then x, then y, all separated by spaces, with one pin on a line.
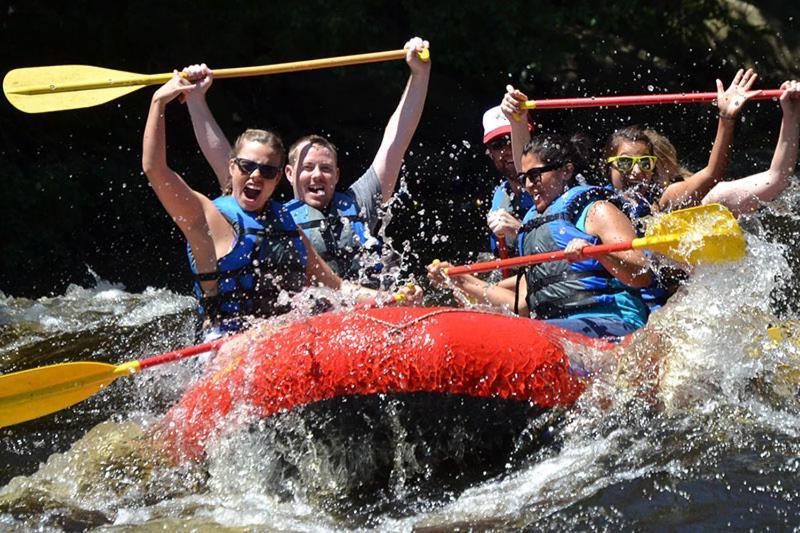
pixel 339 225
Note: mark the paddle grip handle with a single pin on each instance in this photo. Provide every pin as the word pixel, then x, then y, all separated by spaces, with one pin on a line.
pixel 535 259
pixel 183 353
pixel 645 99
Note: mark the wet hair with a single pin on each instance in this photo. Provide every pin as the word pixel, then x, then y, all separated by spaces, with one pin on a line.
pixel 269 138
pixel 261 136
pixel 551 148
pixel 668 167
pixel 312 140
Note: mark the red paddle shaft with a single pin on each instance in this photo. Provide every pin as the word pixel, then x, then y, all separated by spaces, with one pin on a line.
pixel 645 99
pixel 182 353
pixel 486 266
pixel 501 244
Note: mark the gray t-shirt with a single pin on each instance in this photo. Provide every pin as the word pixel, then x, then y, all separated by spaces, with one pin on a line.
pixel 366 191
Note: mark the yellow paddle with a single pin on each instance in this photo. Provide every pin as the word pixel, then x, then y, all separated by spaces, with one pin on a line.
pixel 705 234
pixel 29 394
pixel 62 87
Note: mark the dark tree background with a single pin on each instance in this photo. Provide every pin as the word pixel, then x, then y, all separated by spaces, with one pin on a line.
pixel 75 197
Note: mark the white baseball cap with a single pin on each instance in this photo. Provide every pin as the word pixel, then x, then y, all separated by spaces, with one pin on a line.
pixel 495 124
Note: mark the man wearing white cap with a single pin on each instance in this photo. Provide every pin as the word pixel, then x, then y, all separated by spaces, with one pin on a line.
pixel 510 201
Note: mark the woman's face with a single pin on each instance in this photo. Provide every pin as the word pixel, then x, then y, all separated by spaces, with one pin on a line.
pixel 543 183
pixel 252 182
pixel 634 179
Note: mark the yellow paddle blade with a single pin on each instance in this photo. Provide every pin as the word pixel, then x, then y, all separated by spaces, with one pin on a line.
pixel 37 392
pixel 704 234
pixel 61 87
pixel 43 89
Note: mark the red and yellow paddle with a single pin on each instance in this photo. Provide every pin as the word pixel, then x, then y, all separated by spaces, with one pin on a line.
pixel 644 99
pixel 29 394
pixel 62 87
pixel 705 234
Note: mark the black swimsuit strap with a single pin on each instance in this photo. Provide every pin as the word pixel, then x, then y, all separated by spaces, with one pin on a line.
pixel 207 276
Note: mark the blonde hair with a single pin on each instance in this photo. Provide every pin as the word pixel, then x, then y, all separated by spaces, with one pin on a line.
pixel 668 167
pixel 261 136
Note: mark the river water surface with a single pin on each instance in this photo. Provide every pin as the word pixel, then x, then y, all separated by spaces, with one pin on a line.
pixel 696 423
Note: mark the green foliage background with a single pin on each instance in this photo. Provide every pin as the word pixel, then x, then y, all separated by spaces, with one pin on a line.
pixel 74 195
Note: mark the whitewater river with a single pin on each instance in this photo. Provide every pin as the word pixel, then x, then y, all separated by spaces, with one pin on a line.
pixel 695 424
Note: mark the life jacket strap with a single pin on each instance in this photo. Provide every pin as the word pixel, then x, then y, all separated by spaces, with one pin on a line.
pixel 310 224
pixel 569 275
pixel 264 234
pixel 538 221
pixel 568 305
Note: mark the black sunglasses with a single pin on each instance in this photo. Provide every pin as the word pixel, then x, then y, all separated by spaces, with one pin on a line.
pixel 268 172
pixel 534 174
pixel 499 143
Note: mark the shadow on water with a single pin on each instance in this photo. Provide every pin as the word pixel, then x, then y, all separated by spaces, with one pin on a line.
pixel 364 458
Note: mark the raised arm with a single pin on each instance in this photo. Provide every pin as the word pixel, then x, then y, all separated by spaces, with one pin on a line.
pixel 186 207
pixel 518 117
pixel 209 135
pixel 746 195
pixel 690 191
pixel 403 122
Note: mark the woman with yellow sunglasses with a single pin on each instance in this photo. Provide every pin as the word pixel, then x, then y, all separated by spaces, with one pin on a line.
pixel 669 185
pixel 642 164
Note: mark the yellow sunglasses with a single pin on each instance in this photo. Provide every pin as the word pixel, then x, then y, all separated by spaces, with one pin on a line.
pixel 625 163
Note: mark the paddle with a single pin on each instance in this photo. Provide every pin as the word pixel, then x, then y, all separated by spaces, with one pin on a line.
pixel 645 99
pixel 29 394
pixel 705 234
pixel 503 249
pixel 61 87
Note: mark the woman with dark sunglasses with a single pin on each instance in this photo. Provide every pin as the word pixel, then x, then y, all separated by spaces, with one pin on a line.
pixel 342 226
pixel 597 297
pixel 244 248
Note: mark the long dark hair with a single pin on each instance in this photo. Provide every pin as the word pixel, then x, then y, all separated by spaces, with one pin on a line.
pixel 552 147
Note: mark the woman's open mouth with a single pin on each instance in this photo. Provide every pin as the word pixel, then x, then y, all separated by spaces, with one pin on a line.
pixel 250 192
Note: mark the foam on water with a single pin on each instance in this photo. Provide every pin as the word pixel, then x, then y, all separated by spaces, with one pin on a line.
pixel 700 380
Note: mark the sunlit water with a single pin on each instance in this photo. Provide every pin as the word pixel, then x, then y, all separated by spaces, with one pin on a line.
pixel 696 423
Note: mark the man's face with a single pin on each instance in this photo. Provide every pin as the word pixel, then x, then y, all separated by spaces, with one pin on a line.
pixel 314 175
pixel 499 150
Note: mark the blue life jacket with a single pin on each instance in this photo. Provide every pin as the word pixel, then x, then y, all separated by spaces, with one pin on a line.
pixel 516 204
pixel 339 236
pixel 638 207
pixel 656 295
pixel 560 289
pixel 267 258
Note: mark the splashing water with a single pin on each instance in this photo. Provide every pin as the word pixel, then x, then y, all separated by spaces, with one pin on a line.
pixel 698 410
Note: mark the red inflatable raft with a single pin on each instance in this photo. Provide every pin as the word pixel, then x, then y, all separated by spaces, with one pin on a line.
pixel 377 351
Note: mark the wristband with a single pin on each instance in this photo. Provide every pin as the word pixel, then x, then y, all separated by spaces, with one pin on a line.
pixel 723 116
